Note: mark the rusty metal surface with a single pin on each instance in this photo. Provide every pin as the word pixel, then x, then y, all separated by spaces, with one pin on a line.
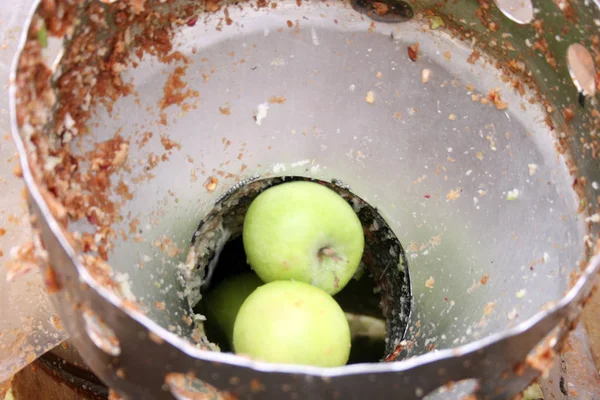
pixel 591 321
pixel 574 374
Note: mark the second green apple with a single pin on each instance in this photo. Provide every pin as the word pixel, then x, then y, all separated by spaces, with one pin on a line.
pixel 303 231
pixel 224 302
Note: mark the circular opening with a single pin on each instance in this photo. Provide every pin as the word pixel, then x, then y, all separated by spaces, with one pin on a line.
pixel 519 11
pixel 377 301
pixel 582 69
pixel 101 335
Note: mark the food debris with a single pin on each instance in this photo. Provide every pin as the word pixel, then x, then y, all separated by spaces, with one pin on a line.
pixel 279 167
pixel 420 179
pixel 430 282
pixel 225 110
pixel 447 55
pixel 479 155
pixel 213 6
pixel 413 51
pixel 489 308
pixel 492 142
pixel 169 144
pixel 192 21
pixel 121 154
pixel 568 114
pixel 473 57
pixel 521 293
pixel 452 117
pixel 546 256
pixel 435 22
pixel 211 184
pixel 42 36
pixel 425 74
pixel 300 163
pixel 484 279
pixel 532 169
pixel 261 113
pixel 379 75
pixel 277 100
pixel 56 323
pixel 18 171
pixel 454 194
pixel 167 246
pixel 173 91
pixel 146 136
pixel 512 194
pixel 380 8
pixel 22 261
pixel 495 98
pixel 370 97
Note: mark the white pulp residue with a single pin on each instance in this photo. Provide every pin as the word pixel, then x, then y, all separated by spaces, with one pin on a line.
pixel 279 167
pixel 261 112
pixel 300 163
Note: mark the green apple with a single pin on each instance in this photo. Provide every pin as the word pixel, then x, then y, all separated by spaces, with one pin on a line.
pixel 292 323
pixel 224 301
pixel 303 231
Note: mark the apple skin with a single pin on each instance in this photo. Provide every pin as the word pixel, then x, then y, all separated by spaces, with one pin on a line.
pixel 292 323
pixel 224 301
pixel 303 231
